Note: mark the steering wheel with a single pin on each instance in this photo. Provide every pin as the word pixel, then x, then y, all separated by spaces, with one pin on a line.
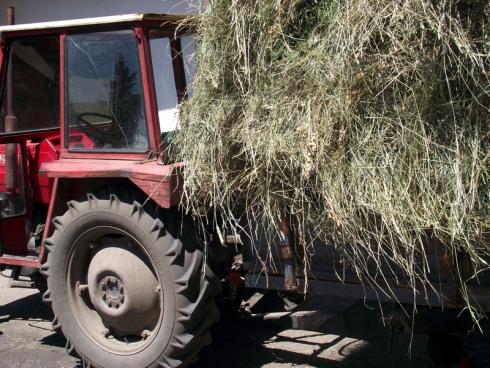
pixel 97 133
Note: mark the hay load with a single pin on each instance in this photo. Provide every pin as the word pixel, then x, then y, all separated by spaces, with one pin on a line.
pixel 363 122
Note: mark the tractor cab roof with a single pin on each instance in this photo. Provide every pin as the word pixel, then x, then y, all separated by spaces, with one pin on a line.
pixel 115 19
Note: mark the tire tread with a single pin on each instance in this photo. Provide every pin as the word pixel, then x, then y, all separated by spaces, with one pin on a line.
pixel 196 309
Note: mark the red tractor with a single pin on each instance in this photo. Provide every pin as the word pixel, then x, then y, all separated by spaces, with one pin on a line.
pixel 85 198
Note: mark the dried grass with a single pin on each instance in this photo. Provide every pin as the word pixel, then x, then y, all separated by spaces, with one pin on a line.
pixel 365 122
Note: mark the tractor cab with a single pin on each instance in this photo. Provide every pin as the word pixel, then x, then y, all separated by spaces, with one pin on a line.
pixel 83 101
pixel 88 204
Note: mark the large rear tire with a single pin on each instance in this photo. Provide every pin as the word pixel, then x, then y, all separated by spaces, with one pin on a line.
pixel 129 289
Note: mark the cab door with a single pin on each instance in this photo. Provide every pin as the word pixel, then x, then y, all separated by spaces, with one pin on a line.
pixel 29 106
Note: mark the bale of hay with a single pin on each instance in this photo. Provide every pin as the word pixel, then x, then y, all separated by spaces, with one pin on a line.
pixel 364 122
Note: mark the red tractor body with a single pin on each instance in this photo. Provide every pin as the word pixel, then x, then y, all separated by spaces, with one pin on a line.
pixel 88 207
pixel 54 162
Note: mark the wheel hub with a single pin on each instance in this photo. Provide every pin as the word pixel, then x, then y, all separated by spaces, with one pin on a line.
pixel 124 291
pixel 112 291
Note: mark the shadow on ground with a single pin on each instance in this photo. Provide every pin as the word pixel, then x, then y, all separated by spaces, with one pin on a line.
pixel 32 310
pixel 27 308
pixel 354 338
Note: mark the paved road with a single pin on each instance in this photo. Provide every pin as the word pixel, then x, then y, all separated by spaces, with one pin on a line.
pixel 353 339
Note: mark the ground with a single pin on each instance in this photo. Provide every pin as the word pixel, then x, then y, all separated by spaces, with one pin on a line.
pixel 354 338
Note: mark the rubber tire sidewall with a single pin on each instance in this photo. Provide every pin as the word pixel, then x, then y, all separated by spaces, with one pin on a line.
pixel 57 283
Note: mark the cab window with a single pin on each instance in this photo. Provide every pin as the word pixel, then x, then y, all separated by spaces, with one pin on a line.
pixel 30 90
pixel 165 86
pixel 104 95
pixel 173 68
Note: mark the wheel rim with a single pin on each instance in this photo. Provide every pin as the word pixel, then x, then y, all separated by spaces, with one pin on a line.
pixel 114 291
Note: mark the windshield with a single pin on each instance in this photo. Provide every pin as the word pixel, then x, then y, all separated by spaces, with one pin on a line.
pixel 105 103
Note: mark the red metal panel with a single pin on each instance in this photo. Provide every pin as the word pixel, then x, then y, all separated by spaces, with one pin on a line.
pixel 49 218
pixel 20 261
pixel 62 92
pixel 2 59
pixel 148 88
pixel 102 155
pixel 13 235
pixel 80 168
pixel 45 151
pixel 160 182
pixel 158 191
